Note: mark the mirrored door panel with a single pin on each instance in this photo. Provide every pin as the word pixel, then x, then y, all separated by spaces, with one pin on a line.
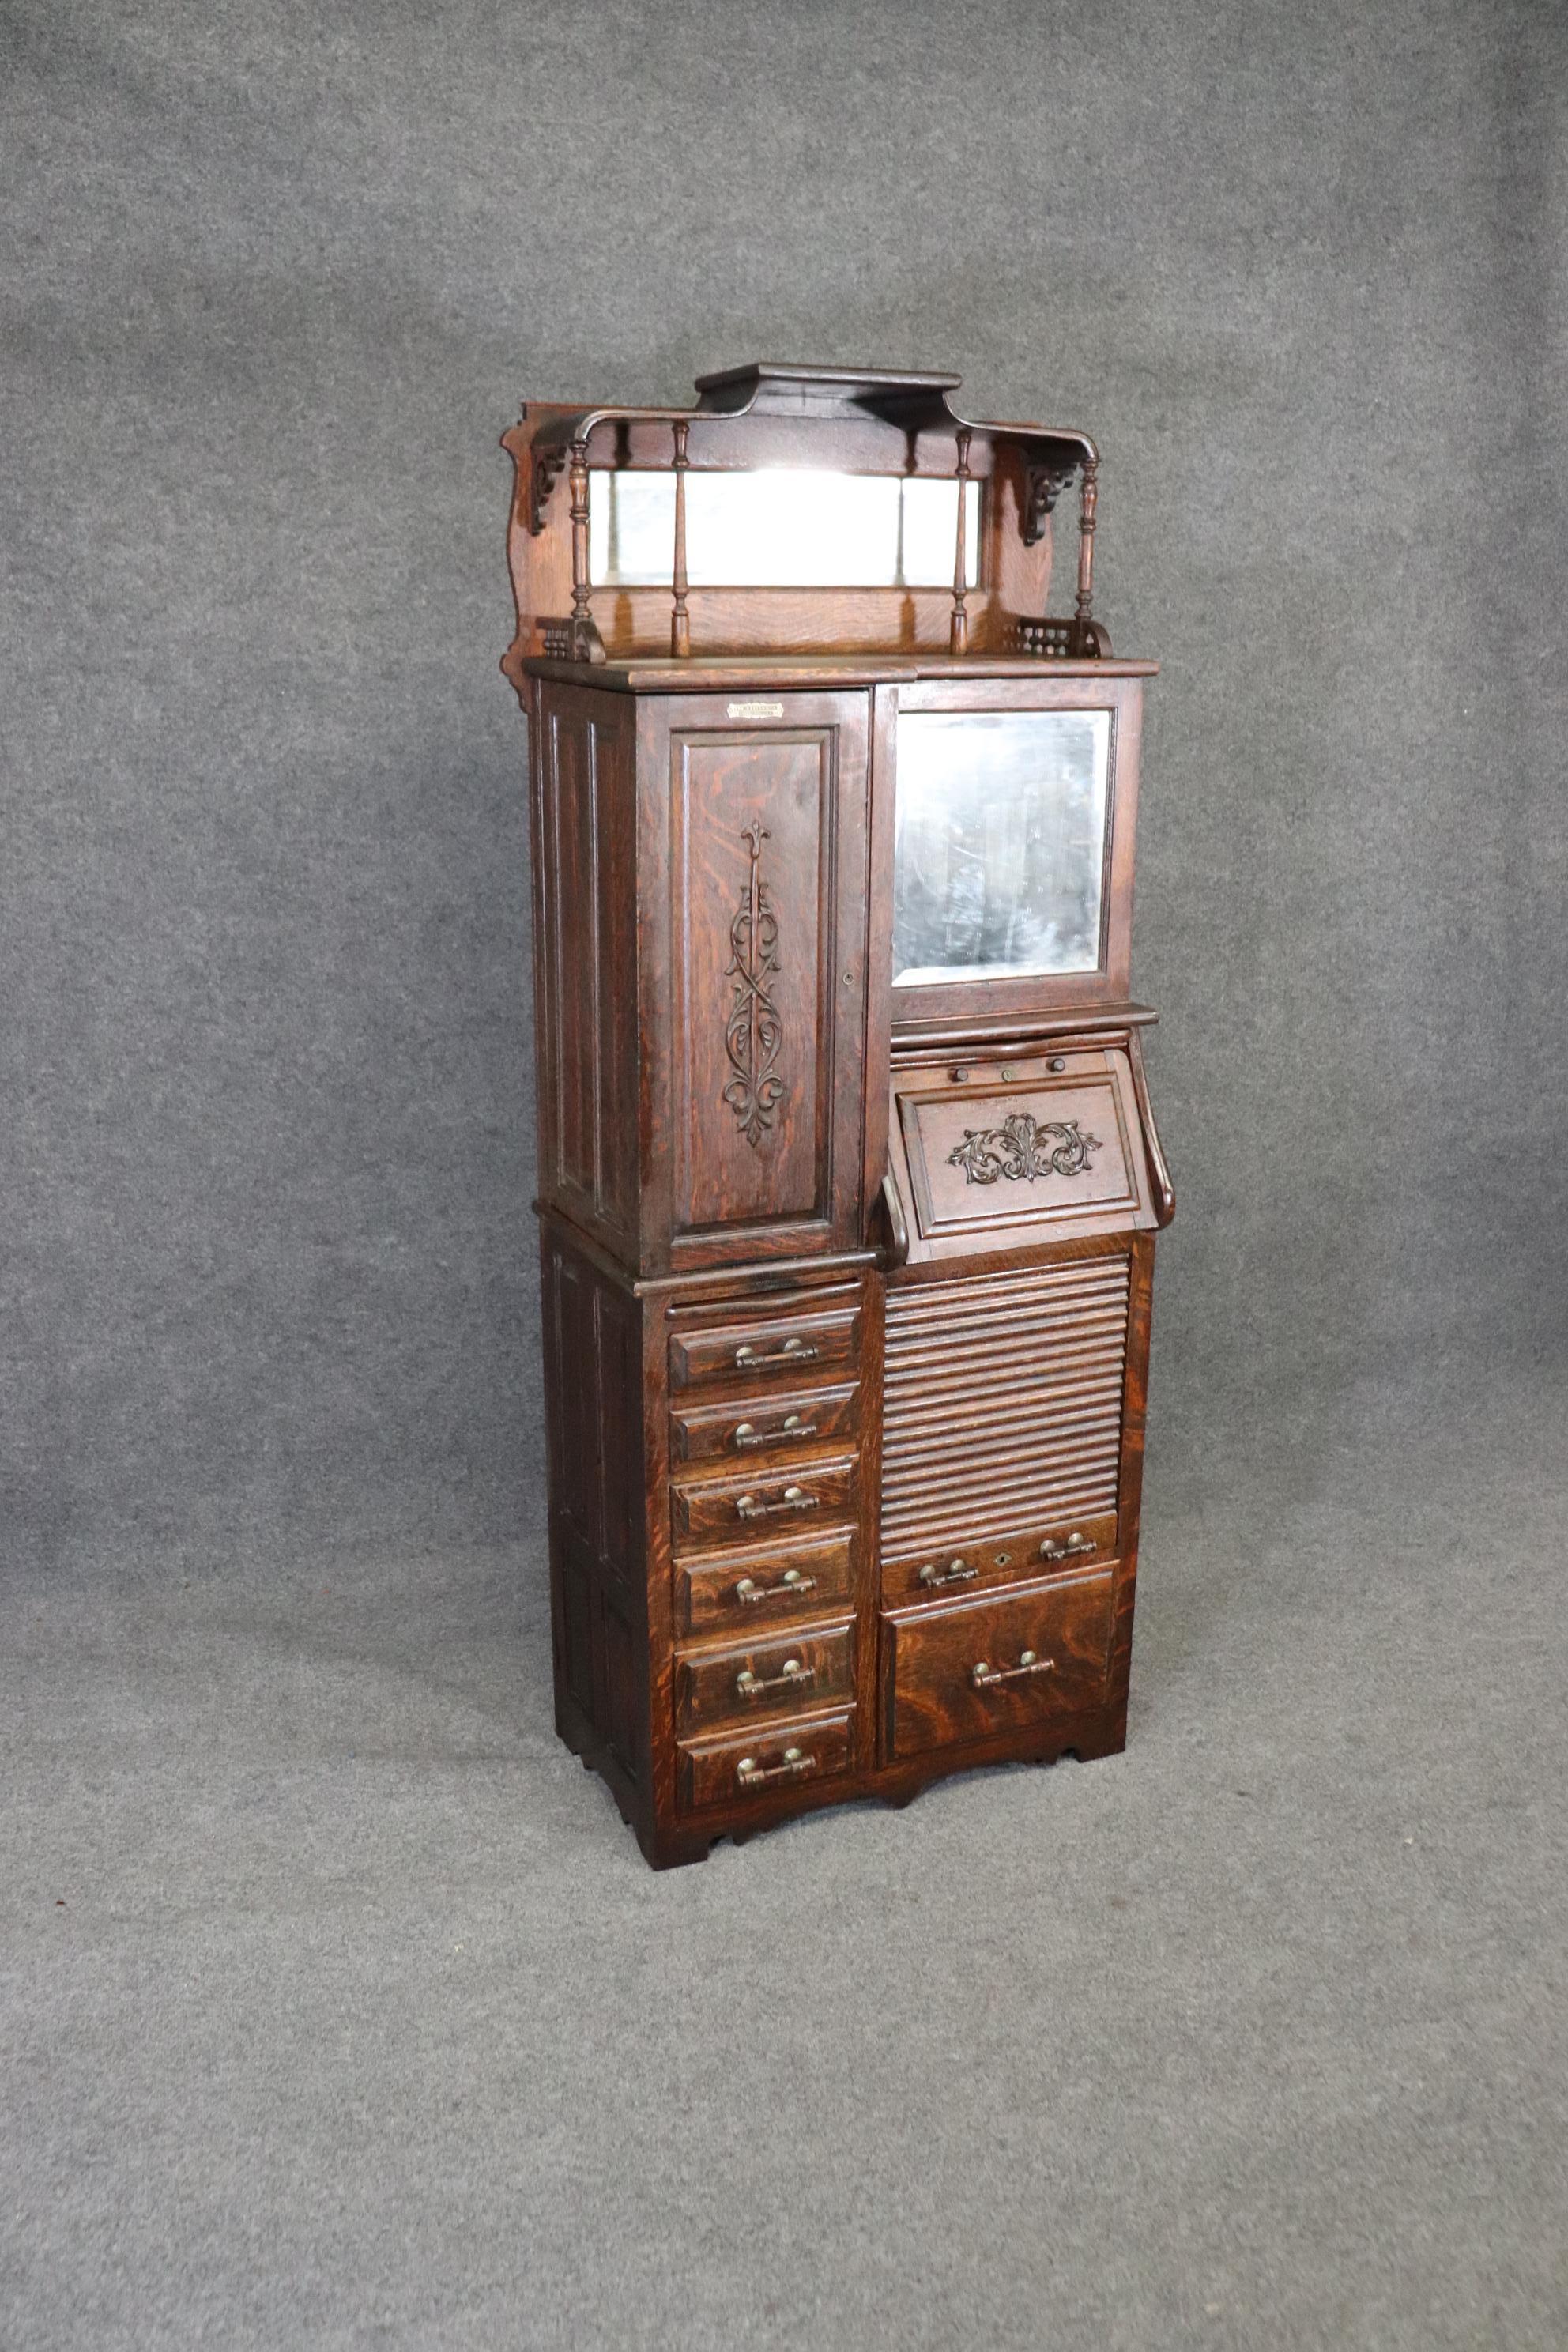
pixel 1000 844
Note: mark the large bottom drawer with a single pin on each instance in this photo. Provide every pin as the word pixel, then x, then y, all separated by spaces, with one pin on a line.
pixel 975 1670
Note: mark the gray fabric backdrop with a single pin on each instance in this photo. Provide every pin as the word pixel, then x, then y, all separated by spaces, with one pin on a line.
pixel 342 2010
pixel 278 277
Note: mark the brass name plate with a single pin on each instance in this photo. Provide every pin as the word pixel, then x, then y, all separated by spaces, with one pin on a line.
pixel 753 710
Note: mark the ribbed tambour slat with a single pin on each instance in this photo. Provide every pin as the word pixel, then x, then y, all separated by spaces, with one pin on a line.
pixel 1001 1404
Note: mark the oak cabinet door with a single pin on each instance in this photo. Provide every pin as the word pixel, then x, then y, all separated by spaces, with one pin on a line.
pixel 754 973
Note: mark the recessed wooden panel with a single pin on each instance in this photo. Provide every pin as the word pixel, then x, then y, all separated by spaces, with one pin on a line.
pixel 757 1077
pixel 585 958
pixel 973 1670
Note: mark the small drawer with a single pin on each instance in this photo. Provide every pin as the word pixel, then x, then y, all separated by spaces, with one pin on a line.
pixel 765 1588
pixel 780 1759
pixel 764 1503
pixel 975 1670
pixel 767 1348
pixel 776 1676
pixel 964 1570
pixel 768 1428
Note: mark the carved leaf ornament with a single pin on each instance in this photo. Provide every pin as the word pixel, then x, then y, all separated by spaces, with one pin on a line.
pixel 1021 1150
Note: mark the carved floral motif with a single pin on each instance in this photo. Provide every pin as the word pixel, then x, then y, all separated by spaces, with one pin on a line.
pixel 753 1034
pixel 1021 1150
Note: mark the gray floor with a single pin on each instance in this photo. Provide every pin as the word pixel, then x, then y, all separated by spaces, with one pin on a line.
pixel 340 2010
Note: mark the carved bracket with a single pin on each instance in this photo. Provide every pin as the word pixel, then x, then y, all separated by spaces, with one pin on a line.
pixel 549 464
pixel 1043 486
pixel 1021 1150
pixel 754 1032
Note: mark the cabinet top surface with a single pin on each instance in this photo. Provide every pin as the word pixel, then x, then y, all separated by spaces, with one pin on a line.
pixel 661 674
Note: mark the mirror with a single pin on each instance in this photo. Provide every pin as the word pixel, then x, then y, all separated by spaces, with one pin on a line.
pixel 781 529
pixel 1001 843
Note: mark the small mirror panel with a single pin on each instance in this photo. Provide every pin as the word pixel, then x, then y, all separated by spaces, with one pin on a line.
pixel 1001 837
pixel 781 529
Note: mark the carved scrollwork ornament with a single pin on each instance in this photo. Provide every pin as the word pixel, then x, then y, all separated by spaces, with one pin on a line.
pixel 1043 486
pixel 1022 1148
pixel 754 1032
pixel 548 467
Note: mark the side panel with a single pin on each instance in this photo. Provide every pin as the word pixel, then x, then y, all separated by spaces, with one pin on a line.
pixel 585 958
pixel 598 1582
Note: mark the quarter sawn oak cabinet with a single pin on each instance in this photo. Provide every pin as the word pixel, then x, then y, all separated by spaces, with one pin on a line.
pixel 848 1182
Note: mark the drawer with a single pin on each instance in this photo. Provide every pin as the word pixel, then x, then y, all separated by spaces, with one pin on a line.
pixel 764 1587
pixel 963 1569
pixel 768 1347
pixel 730 1510
pixel 775 1676
pixel 765 1428
pixel 776 1761
pixel 975 1670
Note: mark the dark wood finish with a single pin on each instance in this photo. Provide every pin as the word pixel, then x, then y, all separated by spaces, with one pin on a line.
pixel 845 1289
pixel 777 1345
pixel 742 1505
pixel 753 969
pixel 977 1669
pixel 779 1432
pixel 777 1583
pixel 776 1675
pixel 750 1771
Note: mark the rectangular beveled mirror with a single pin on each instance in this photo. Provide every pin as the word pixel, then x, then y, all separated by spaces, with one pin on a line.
pixel 1001 844
pixel 781 527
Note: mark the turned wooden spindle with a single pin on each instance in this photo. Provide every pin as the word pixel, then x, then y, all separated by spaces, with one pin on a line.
pixel 583 629
pixel 680 625
pixel 958 636
pixel 1088 497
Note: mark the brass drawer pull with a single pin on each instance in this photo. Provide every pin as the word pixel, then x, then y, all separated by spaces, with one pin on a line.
pixel 986 1678
pixel 794 1351
pixel 793 1428
pixel 751 1774
pixel 957 1572
pixel 1075 1542
pixel 795 1498
pixel 791 1676
pixel 793 1580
